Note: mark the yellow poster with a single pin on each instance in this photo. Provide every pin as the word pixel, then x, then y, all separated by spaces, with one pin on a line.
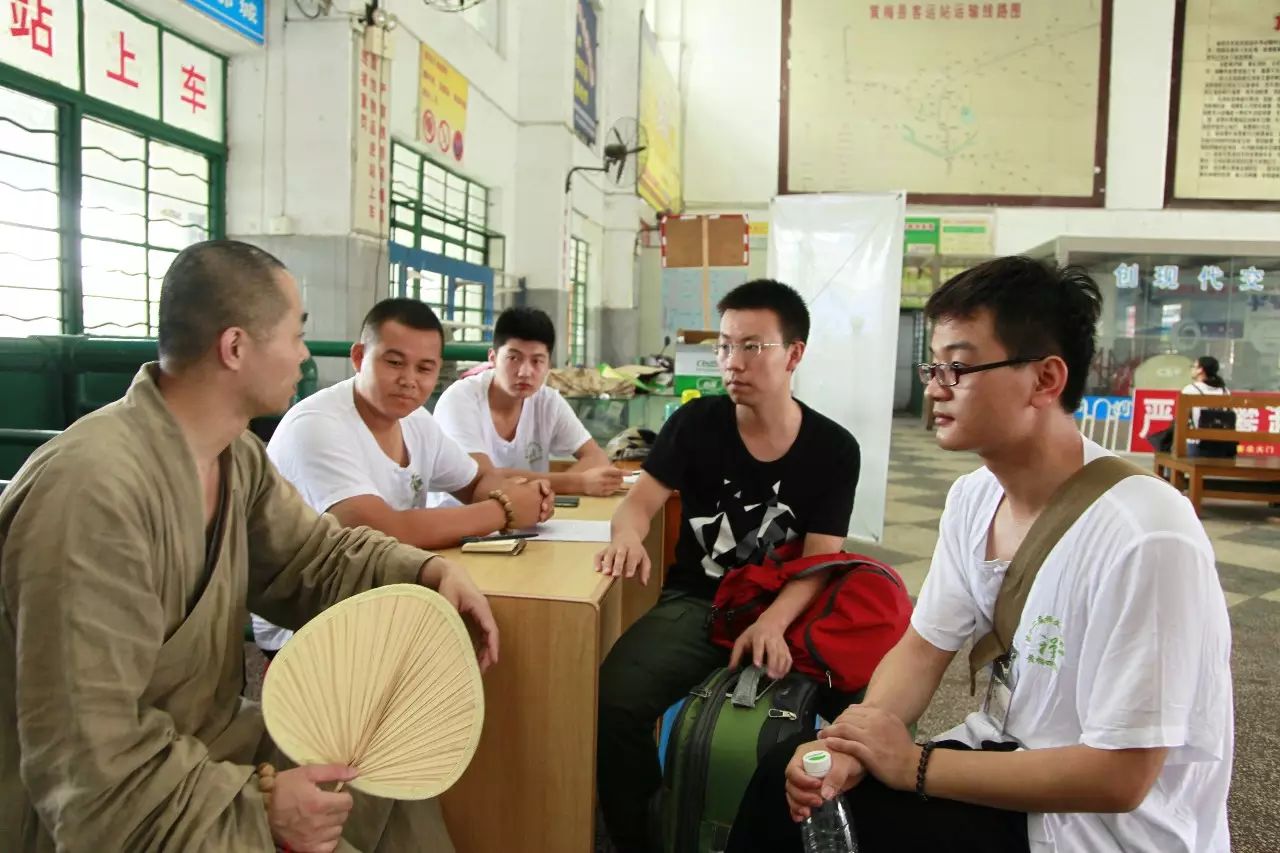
pixel 660 183
pixel 442 106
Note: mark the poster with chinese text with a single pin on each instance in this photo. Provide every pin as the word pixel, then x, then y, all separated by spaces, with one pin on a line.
pixel 1227 110
pixel 442 106
pixel 369 184
pixel 585 71
pixel 661 182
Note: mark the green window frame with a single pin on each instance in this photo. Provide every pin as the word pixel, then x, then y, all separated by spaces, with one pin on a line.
pixel 436 209
pixel 579 266
pixel 95 201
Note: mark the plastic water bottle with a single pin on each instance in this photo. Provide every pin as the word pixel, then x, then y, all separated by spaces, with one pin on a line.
pixel 827 829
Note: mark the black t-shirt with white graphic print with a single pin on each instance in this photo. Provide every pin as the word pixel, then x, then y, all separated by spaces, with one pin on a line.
pixel 734 508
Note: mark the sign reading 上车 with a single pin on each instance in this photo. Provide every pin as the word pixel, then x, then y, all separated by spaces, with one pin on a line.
pixel 242 16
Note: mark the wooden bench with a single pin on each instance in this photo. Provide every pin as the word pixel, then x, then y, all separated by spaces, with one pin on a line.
pixel 1241 478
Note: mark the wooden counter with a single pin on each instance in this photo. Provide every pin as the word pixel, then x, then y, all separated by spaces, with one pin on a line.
pixel 531 785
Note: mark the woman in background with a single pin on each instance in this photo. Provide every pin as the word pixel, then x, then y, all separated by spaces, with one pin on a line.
pixel 1205 380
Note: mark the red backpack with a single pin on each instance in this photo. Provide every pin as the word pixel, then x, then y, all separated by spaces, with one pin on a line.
pixel 841 636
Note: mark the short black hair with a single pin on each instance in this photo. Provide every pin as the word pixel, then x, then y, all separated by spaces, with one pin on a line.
pixel 781 299
pixel 1037 308
pixel 525 323
pixel 408 312
pixel 211 287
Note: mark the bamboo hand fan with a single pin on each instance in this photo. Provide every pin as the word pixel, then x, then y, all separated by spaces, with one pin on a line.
pixel 385 682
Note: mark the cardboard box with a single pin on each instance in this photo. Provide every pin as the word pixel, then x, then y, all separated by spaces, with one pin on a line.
pixel 696 365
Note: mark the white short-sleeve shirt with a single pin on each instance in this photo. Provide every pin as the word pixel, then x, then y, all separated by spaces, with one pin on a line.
pixel 1124 642
pixel 323 447
pixel 547 426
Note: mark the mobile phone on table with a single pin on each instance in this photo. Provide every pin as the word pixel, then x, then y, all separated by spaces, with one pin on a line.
pixel 497 537
pixel 567 501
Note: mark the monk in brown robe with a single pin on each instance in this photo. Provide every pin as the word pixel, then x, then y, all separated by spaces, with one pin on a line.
pixel 132 547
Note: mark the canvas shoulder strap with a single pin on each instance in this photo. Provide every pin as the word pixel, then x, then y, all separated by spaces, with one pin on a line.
pixel 1066 506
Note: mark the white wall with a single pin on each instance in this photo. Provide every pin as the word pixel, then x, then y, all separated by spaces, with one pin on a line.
pixel 289 128
pixel 732 78
pixel 291 122
pixel 490 155
pixel 520 124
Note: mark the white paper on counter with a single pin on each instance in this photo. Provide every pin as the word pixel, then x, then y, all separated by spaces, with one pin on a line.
pixel 570 530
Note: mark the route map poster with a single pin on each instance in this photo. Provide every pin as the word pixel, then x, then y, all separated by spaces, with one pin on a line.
pixel 943 99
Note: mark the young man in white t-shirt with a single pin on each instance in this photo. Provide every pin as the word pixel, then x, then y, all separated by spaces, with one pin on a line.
pixel 367 451
pixel 507 416
pixel 1118 732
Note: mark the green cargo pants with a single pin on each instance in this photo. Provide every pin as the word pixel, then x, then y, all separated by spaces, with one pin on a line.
pixel 659 659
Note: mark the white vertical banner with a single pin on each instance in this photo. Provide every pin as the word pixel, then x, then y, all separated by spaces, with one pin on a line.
pixel 843 253
pixel 42 37
pixel 369 185
pixel 192 88
pixel 121 58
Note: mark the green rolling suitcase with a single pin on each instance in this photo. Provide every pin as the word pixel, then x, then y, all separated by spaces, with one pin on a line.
pixel 726 725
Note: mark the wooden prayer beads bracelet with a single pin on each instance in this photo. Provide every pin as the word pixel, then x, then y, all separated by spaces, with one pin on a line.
pixel 507 509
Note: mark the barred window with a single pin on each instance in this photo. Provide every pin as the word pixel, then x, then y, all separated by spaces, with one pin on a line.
pixel 92 212
pixel 579 264
pixel 440 212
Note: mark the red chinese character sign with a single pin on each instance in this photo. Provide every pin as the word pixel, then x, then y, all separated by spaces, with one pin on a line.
pixel 32 22
pixel 121 58
pixel 1153 411
pixel 41 37
pixel 369 185
pixel 193 95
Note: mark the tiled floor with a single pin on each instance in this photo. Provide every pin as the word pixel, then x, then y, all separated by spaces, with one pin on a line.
pixel 1246 539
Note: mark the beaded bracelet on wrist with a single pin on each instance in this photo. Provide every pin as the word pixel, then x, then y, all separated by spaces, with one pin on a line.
pixel 925 752
pixel 507 509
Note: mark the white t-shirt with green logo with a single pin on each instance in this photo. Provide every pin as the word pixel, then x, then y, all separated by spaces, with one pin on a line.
pixel 547 427
pixel 1124 643
pixel 323 447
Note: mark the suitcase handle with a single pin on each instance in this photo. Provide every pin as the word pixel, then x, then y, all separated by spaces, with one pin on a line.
pixel 747 691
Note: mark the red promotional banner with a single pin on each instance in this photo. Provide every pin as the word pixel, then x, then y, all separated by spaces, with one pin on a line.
pixel 1153 411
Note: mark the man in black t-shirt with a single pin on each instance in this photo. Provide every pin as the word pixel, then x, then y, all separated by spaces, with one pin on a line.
pixel 755 469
